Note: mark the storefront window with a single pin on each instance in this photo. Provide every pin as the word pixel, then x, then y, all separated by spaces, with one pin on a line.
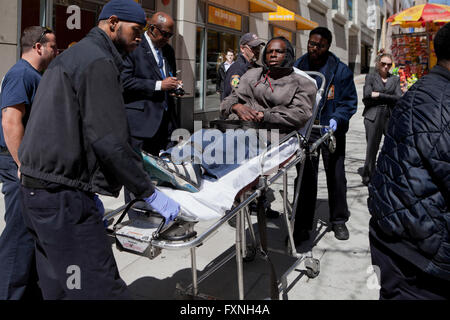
pixel 72 20
pixel 199 69
pixel 218 43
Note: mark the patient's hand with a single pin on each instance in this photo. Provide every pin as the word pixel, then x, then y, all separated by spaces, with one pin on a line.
pixel 246 113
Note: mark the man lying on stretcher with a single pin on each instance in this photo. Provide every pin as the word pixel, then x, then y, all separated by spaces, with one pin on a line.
pixel 274 94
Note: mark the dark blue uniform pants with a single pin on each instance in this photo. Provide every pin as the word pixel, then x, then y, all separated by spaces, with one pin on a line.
pixel 17 265
pixel 336 183
pixel 73 254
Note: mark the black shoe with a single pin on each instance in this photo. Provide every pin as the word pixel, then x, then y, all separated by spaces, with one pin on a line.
pixel 365 180
pixel 341 231
pixel 272 214
pixel 232 222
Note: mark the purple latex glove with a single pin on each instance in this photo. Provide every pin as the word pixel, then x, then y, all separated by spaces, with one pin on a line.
pixel 162 204
pixel 332 125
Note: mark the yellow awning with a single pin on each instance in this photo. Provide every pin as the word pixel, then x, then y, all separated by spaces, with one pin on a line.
pixel 262 6
pixel 304 24
pixel 283 14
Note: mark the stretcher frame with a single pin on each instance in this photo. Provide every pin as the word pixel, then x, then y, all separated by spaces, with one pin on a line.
pixel 242 214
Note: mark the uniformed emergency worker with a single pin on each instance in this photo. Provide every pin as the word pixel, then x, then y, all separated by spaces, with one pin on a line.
pixel 77 145
pixel 250 46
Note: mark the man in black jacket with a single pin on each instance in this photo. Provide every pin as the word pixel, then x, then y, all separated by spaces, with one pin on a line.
pixel 409 196
pixel 77 145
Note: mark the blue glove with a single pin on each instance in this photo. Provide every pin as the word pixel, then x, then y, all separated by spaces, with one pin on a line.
pixel 100 208
pixel 333 125
pixel 162 204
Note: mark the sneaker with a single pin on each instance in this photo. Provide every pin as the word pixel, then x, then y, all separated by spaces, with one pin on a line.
pixel 341 231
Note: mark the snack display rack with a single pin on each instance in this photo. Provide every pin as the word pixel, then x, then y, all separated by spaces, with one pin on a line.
pixel 414 55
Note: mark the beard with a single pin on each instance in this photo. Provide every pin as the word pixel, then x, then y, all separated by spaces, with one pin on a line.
pixel 120 42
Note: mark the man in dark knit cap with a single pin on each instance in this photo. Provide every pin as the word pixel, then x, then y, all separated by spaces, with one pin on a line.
pixel 77 146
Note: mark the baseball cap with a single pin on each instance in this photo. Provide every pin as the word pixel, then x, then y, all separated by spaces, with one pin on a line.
pixel 250 39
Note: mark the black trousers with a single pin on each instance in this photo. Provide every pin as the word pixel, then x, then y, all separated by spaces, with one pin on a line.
pixel 374 132
pixel 402 280
pixel 336 183
pixel 73 254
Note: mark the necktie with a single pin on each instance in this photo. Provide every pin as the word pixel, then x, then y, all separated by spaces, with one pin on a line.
pixel 161 69
pixel 161 63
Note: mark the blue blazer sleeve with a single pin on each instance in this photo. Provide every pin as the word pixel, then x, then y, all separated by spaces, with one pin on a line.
pixel 347 98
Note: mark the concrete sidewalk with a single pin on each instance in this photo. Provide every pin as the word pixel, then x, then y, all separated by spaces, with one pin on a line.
pixel 344 265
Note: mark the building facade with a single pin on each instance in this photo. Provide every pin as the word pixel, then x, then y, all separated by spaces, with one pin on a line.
pixel 206 28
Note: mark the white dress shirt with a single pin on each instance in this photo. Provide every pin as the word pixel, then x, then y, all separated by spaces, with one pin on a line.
pixel 150 43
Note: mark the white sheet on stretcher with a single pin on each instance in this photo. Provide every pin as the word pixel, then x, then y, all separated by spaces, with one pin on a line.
pixel 216 197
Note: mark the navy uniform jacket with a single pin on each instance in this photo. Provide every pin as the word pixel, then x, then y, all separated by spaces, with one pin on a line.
pixel 145 106
pixel 340 100
pixel 235 73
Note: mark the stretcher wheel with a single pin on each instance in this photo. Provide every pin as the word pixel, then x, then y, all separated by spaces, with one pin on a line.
pixel 312 267
pixel 332 144
pixel 251 253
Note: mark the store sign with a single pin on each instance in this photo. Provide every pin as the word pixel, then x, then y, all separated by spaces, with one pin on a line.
pixel 282 14
pixel 224 18
pixel 278 32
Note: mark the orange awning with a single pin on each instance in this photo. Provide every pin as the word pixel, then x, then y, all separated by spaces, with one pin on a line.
pixel 262 6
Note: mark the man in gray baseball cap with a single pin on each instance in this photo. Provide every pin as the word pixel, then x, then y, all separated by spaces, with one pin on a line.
pixel 250 47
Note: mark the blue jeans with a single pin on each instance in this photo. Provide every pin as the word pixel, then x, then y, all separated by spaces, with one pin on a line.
pixel 218 153
pixel 17 259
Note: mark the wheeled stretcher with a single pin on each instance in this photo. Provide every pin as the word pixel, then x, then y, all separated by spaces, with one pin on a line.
pixel 148 234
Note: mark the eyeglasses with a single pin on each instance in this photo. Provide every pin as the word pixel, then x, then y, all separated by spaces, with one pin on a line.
pixel 165 34
pixel 312 44
pixel 384 64
pixel 41 37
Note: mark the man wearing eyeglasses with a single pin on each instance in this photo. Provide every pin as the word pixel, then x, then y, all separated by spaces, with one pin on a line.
pixel 336 108
pixel 17 268
pixel 250 47
pixel 149 78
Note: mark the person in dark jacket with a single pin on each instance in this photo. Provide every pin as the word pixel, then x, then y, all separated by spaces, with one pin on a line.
pixel 18 278
pixel 335 110
pixel 381 92
pixel 148 76
pixel 409 199
pixel 250 47
pixel 222 71
pixel 76 145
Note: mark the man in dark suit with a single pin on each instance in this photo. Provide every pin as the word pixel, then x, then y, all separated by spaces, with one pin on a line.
pixel 148 78
pixel 381 93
